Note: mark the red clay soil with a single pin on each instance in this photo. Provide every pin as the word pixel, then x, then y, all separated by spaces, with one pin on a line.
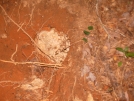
pixel 89 72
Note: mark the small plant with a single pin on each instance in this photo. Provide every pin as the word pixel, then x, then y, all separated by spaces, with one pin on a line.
pixel 126 52
pixel 90 27
pixel 85 40
pixel 87 33
pixel 119 64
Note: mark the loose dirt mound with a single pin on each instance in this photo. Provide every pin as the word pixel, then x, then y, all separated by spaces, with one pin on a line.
pixel 54 44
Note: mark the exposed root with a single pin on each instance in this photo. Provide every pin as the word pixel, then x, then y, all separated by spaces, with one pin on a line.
pixel 14 53
pixel 34 63
pixel 9 83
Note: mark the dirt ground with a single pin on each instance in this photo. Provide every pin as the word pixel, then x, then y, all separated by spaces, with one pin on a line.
pixel 90 67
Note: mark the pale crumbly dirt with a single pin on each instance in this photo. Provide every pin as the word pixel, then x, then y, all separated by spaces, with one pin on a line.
pixel 90 71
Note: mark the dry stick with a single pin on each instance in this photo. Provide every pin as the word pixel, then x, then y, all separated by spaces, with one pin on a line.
pixel 101 20
pixel 34 63
pixel 25 32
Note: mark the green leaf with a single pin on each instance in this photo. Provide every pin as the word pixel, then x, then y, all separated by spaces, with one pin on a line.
pixel 120 49
pixel 85 40
pixel 129 54
pixel 119 64
pixel 86 32
pixel 90 27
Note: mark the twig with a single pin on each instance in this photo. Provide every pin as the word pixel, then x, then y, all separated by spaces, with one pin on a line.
pixel 14 53
pixel 34 63
pixel 97 12
pixel 24 32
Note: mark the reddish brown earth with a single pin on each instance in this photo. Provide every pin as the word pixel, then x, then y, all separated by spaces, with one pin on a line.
pixel 90 71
